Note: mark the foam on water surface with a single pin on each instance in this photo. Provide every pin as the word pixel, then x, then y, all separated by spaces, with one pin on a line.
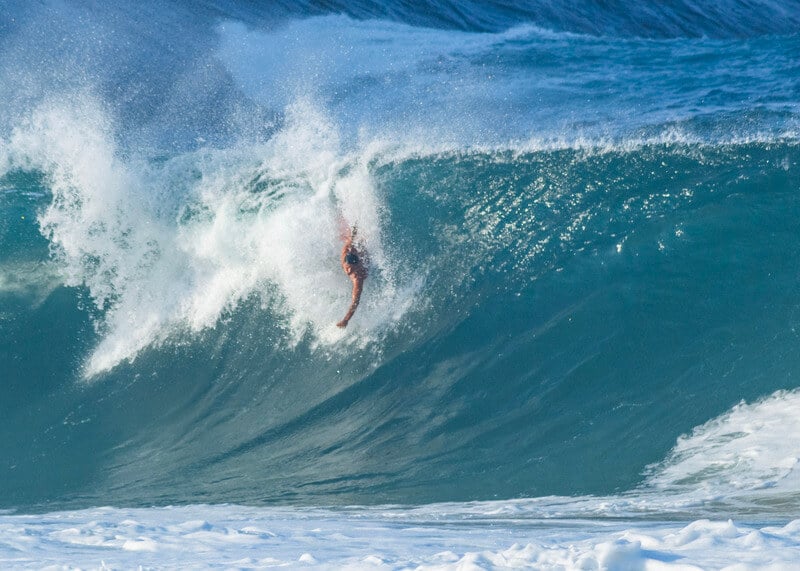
pixel 200 537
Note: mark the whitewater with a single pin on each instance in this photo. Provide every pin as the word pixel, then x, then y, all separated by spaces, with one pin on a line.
pixel 577 344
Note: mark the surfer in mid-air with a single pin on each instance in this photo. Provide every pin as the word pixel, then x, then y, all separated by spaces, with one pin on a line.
pixel 355 265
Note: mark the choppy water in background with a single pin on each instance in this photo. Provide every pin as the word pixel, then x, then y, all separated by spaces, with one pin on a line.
pixel 583 224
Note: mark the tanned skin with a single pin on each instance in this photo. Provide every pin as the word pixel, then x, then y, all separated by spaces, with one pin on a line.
pixel 354 264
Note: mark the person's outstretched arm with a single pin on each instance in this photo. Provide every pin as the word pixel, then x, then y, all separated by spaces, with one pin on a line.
pixel 358 285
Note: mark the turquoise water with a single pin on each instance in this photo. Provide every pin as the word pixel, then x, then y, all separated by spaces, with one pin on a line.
pixel 583 235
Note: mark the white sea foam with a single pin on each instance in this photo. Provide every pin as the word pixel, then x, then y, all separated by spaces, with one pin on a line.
pixel 200 537
pixel 169 247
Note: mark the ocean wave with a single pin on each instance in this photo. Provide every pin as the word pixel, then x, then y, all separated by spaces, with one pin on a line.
pixel 211 228
pixel 584 246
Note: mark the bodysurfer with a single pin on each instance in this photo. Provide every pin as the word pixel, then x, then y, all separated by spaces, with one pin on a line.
pixel 355 264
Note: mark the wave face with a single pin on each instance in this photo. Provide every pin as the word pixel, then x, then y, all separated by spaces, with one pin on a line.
pixel 582 229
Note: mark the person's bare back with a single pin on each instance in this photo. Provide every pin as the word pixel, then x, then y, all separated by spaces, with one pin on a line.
pixel 355 265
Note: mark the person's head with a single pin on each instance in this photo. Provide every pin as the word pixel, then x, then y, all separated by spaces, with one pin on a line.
pixel 351 258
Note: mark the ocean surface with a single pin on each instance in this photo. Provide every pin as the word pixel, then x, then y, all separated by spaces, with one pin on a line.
pixel 579 342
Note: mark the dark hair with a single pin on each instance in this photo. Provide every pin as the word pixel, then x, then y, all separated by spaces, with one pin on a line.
pixel 351 258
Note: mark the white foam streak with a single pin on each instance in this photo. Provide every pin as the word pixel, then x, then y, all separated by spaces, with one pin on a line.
pixel 32 280
pixel 674 139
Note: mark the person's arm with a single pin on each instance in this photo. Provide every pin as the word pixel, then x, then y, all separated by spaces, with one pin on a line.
pixel 358 285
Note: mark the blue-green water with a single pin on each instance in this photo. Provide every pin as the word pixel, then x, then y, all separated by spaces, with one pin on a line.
pixel 583 236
